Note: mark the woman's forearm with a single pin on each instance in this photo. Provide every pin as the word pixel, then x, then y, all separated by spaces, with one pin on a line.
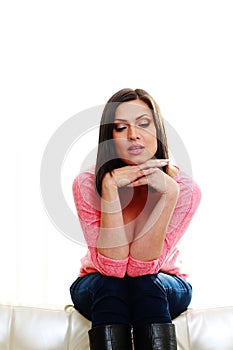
pixel 112 240
pixel 148 243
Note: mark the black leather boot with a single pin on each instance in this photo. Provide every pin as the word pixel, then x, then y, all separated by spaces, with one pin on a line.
pixel 155 336
pixel 110 337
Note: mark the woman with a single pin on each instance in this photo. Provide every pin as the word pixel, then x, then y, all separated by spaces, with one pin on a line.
pixel 134 207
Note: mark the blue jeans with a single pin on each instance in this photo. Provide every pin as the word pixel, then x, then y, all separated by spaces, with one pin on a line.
pixel 157 298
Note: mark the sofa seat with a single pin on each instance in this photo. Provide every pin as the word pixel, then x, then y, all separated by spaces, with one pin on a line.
pixel 32 328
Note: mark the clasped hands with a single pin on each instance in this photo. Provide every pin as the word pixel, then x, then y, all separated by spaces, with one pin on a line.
pixel 148 173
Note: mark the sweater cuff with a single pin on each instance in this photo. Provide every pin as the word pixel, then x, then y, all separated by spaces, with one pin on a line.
pixel 139 268
pixel 112 267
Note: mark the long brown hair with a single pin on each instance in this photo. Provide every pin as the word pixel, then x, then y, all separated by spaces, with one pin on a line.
pixel 107 159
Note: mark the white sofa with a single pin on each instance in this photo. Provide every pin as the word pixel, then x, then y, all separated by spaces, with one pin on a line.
pixel 30 328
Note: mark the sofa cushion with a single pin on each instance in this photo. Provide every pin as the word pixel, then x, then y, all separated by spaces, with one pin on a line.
pixel 27 328
pixel 206 329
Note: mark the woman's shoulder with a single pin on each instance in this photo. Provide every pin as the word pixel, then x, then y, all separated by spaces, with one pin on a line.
pixel 84 181
pixel 86 175
pixel 84 189
pixel 189 189
pixel 183 178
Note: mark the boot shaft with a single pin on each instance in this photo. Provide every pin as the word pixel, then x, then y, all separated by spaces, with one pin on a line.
pixel 110 337
pixel 155 336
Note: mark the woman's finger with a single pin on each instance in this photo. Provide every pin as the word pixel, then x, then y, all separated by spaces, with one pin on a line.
pixel 154 163
pixel 150 171
pixel 140 182
pixel 130 174
pixel 124 176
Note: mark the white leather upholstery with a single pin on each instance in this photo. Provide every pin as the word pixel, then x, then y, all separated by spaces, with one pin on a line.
pixel 207 329
pixel 28 328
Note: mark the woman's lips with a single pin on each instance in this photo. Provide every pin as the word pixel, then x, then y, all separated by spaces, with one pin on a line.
pixel 135 149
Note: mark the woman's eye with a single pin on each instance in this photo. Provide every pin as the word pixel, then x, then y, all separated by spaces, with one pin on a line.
pixel 144 124
pixel 119 128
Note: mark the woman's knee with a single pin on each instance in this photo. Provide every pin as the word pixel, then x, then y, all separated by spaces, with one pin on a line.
pixel 110 302
pixel 110 285
pixel 148 301
pixel 146 285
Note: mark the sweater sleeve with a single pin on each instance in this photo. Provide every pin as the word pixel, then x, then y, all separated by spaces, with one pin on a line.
pixel 87 204
pixel 187 204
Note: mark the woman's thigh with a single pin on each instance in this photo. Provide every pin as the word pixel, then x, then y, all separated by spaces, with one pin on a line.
pixel 158 298
pixel 178 292
pixel 97 296
pixel 170 294
pixel 82 293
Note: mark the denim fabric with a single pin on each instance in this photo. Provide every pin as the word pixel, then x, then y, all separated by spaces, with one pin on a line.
pixel 139 300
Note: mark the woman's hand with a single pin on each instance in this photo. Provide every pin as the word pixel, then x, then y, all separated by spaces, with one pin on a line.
pixel 155 178
pixel 148 173
pixel 135 175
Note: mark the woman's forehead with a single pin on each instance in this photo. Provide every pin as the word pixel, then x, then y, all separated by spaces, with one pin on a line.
pixel 132 109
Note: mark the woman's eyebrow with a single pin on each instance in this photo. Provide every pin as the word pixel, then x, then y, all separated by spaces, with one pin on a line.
pixel 140 116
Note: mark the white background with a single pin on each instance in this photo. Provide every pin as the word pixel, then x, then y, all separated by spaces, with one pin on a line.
pixel 61 57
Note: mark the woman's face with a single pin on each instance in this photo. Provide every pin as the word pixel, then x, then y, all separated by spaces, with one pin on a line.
pixel 134 132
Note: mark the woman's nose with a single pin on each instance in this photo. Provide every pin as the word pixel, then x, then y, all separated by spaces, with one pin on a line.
pixel 133 132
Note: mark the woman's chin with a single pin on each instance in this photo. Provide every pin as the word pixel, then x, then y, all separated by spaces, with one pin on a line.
pixel 136 160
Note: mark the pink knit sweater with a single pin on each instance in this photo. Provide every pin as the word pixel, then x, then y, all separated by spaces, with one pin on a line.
pixel 88 208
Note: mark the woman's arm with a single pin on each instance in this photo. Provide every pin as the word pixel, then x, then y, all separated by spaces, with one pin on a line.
pixel 148 243
pixel 112 240
pixel 88 207
pixel 114 237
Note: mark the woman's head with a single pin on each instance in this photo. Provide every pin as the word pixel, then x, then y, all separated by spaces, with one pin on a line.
pixel 131 132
